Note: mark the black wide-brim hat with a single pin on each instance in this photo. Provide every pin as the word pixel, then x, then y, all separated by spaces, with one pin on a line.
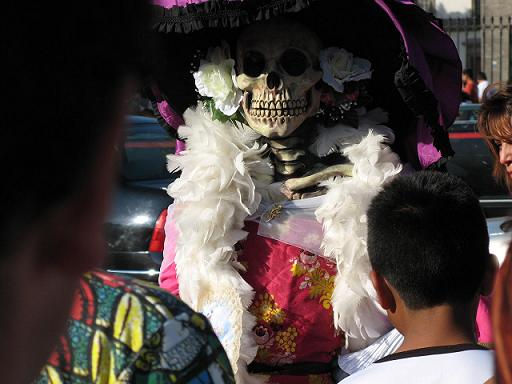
pixel 416 67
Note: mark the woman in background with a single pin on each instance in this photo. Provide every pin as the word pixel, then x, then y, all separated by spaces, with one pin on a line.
pixel 495 125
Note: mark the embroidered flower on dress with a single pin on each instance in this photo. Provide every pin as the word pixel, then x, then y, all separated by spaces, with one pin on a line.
pixel 286 340
pixel 309 259
pixel 314 278
pixel 306 283
pixel 266 309
pixel 216 78
pixel 340 66
pixel 263 336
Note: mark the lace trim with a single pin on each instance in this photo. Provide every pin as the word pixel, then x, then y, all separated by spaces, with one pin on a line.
pixel 225 311
pixel 221 13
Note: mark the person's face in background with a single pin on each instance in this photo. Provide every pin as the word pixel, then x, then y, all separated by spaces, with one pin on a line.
pixel 505 154
pixel 495 125
pixel 464 78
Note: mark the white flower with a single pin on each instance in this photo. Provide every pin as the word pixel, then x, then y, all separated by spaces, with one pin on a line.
pixel 216 78
pixel 340 66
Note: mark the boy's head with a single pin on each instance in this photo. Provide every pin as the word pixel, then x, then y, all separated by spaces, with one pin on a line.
pixel 467 74
pixel 428 241
pixel 69 70
pixel 481 76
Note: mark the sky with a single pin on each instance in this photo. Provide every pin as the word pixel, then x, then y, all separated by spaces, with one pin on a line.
pixel 451 6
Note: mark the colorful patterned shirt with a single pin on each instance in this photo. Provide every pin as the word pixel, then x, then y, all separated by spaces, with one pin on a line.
pixel 126 332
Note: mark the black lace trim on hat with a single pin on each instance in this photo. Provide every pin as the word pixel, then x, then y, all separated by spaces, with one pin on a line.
pixel 221 13
pixel 422 102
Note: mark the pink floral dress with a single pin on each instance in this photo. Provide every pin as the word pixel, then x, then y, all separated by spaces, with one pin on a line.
pixel 291 304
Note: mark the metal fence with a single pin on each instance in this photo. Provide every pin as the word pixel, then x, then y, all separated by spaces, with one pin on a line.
pixel 484 44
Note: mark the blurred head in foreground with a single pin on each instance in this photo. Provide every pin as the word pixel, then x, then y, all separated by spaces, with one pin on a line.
pixel 70 70
pixel 502 321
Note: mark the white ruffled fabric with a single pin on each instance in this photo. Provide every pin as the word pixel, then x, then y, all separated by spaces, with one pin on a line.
pixel 384 346
pixel 343 215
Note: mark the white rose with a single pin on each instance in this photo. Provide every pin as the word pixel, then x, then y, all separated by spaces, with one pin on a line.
pixel 216 79
pixel 339 66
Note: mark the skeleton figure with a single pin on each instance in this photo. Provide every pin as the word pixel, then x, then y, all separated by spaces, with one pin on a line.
pixel 278 66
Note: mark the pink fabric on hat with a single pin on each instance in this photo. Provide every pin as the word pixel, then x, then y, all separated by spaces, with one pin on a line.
pixel 168 278
pixel 172 118
pixel 425 146
pixel 483 320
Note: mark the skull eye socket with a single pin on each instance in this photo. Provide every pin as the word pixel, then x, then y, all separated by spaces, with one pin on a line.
pixel 294 62
pixel 254 64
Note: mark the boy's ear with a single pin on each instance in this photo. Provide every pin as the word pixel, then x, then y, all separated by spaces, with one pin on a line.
pixel 490 275
pixel 384 292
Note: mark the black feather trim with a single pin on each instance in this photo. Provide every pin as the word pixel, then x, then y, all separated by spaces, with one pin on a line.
pixel 422 102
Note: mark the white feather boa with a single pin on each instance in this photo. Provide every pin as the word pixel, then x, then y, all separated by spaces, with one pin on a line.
pixel 343 216
pixel 222 169
pixel 224 175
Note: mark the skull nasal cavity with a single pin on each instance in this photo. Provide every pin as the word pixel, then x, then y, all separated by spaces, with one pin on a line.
pixel 273 80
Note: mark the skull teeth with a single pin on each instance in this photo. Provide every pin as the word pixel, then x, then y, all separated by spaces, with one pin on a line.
pixel 277 108
pixel 277 112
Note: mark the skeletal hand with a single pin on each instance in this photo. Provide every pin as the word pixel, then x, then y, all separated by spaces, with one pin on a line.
pixel 307 186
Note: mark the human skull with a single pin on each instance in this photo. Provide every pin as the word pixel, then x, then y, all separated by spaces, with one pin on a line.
pixel 277 63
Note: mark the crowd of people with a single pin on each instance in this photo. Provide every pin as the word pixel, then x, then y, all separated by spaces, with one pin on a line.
pixel 476 91
pixel 64 321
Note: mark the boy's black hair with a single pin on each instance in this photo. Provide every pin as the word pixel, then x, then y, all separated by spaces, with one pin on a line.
pixel 66 64
pixel 481 76
pixel 427 236
pixel 468 72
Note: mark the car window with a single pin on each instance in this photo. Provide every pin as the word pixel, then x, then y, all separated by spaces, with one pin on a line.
pixel 145 149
